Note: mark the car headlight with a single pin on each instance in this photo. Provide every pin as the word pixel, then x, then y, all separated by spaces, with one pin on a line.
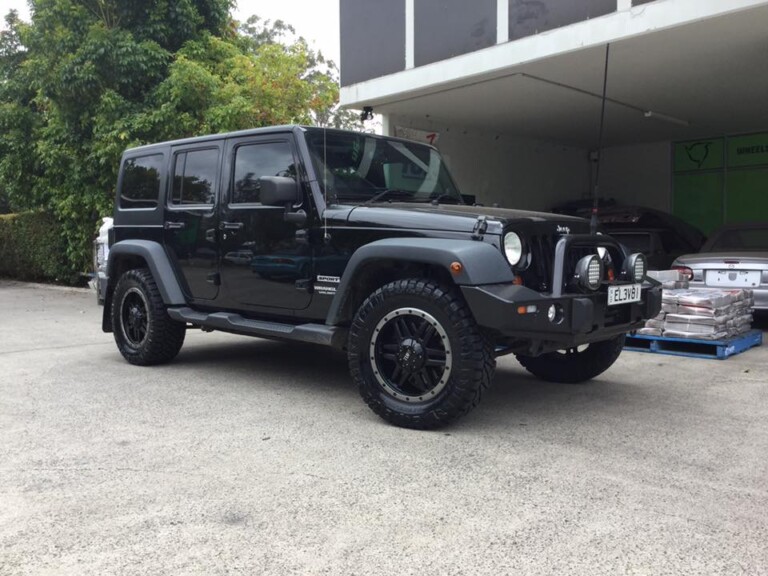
pixel 513 248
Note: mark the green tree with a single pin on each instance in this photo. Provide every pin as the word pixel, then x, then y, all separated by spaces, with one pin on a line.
pixel 17 118
pixel 88 78
pixel 320 74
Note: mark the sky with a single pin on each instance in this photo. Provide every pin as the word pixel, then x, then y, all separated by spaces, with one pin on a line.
pixel 315 20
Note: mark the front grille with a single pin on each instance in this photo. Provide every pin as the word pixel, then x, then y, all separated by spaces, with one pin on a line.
pixel 539 273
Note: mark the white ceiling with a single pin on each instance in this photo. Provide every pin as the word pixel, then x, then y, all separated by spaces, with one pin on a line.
pixel 712 74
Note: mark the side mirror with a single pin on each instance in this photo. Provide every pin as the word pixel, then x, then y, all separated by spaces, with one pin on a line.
pixel 278 190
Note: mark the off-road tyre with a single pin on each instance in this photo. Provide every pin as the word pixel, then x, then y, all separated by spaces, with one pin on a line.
pixel 144 333
pixel 572 366
pixel 378 345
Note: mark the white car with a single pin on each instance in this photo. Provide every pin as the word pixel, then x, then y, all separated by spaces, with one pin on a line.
pixel 735 256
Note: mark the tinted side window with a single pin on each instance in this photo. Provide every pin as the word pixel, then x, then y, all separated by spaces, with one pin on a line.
pixel 194 177
pixel 140 187
pixel 673 243
pixel 252 161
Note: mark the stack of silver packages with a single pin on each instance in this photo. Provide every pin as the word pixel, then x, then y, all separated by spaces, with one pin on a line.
pixel 702 314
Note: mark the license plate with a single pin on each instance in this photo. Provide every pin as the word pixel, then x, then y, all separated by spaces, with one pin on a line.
pixel 624 294
pixel 733 278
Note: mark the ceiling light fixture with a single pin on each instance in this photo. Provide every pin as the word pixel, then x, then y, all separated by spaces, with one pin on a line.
pixel 666 118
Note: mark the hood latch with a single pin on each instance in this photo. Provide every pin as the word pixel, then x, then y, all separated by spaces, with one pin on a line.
pixel 481 225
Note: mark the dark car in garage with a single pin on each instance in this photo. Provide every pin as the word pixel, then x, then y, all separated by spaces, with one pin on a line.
pixel 660 236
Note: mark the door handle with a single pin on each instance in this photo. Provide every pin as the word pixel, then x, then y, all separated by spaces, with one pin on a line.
pixel 231 225
pixel 175 225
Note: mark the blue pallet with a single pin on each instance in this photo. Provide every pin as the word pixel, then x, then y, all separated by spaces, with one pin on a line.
pixel 713 349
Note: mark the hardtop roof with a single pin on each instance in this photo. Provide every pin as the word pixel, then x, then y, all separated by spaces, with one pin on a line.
pixel 219 136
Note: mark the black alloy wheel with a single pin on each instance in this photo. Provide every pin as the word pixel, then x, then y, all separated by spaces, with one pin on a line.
pixel 417 355
pixel 134 316
pixel 143 331
pixel 410 355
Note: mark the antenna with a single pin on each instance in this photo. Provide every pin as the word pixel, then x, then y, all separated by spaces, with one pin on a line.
pixel 596 191
pixel 325 185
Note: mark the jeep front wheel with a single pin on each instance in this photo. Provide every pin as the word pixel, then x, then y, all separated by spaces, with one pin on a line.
pixel 574 365
pixel 417 355
pixel 144 333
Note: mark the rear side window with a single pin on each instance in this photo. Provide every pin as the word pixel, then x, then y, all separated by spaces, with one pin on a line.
pixel 141 182
pixel 194 177
pixel 673 243
pixel 749 239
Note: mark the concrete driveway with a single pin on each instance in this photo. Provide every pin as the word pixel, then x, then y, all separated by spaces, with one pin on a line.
pixel 252 457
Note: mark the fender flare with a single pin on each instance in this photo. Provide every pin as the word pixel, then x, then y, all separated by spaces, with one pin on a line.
pixel 482 263
pixel 158 262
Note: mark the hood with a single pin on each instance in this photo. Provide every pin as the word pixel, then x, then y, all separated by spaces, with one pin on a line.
pixel 449 217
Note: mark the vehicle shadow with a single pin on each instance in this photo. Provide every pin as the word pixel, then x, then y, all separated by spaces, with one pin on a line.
pixel 254 359
pixel 518 398
pixel 514 398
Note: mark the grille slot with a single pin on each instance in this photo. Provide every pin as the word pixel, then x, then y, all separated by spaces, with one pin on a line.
pixel 540 273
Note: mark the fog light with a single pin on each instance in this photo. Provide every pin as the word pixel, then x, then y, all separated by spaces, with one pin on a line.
pixel 555 313
pixel 589 272
pixel 635 267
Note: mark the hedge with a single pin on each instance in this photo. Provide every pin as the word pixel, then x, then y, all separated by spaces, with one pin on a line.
pixel 32 247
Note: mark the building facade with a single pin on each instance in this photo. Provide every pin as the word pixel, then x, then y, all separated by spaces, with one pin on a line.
pixel 510 91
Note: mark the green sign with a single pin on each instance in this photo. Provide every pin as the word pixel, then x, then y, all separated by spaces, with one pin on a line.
pixel 699 155
pixel 749 150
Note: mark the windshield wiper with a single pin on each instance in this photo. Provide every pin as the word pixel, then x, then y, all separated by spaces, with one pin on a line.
pixel 446 198
pixel 387 192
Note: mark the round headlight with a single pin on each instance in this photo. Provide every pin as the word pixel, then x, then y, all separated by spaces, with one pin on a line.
pixel 513 248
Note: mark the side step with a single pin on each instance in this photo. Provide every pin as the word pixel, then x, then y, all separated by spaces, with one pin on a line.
pixel 229 322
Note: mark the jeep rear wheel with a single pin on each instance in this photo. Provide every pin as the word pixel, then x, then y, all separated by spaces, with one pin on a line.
pixel 144 332
pixel 574 365
pixel 417 355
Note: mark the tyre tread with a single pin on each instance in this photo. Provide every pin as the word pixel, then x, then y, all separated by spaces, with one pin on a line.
pixel 578 368
pixel 166 336
pixel 477 359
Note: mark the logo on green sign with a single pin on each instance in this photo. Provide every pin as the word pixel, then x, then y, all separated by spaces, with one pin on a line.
pixel 698 152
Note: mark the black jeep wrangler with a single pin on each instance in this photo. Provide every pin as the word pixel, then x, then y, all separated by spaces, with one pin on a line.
pixel 362 243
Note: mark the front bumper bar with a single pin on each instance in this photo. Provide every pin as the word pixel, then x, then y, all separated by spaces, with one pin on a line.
pixel 583 317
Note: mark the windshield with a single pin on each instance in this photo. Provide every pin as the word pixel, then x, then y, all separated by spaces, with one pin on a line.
pixel 363 167
pixel 730 239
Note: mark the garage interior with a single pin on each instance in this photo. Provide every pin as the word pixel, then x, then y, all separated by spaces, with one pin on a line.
pixel 686 124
